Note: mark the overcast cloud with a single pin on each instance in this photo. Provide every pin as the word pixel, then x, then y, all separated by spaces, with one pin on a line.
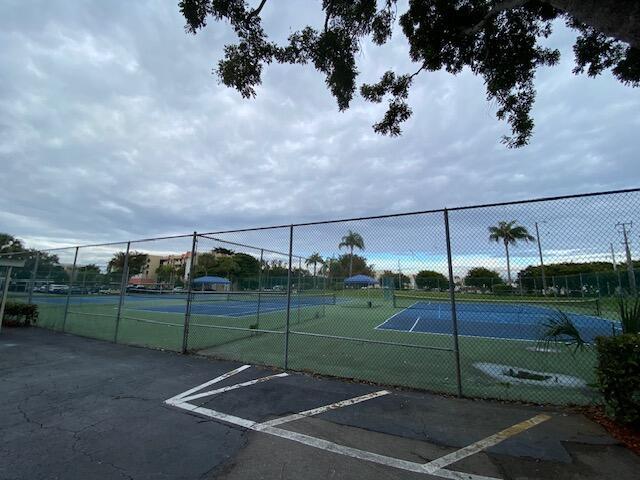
pixel 112 127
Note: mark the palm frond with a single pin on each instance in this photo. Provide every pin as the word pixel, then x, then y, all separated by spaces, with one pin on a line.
pixel 559 328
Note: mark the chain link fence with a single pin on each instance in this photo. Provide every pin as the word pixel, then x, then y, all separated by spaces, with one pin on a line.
pixel 496 301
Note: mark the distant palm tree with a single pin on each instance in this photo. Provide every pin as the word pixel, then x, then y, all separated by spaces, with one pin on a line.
pixel 510 233
pixel 314 260
pixel 352 240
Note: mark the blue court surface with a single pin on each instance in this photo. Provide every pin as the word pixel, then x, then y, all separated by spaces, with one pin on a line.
pixel 203 304
pixel 489 320
pixel 235 308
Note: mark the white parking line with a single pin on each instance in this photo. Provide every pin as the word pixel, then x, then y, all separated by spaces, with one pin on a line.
pixel 435 467
pixel 331 446
pixel 231 387
pixel 210 382
pixel 319 410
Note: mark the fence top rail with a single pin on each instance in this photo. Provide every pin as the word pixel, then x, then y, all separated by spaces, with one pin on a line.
pixel 343 220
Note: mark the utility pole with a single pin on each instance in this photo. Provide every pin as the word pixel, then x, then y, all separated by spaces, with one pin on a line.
pixel 632 277
pixel 544 280
pixel 613 258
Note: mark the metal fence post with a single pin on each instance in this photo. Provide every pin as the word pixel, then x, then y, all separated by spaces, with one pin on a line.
pixel 124 281
pixel 32 281
pixel 259 288
pixel 286 333
pixel 452 294
pixel 66 306
pixel 187 311
pixel 5 293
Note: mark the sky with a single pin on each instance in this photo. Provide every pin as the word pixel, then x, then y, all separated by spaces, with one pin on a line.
pixel 113 127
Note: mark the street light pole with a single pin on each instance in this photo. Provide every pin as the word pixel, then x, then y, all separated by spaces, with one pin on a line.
pixel 544 280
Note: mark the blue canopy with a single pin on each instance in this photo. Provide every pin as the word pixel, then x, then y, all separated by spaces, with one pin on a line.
pixel 360 280
pixel 211 281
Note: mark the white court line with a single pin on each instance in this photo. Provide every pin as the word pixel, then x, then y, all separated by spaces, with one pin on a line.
pixel 319 410
pixel 395 315
pixel 330 446
pixel 480 445
pixel 414 325
pixel 210 382
pixel 231 387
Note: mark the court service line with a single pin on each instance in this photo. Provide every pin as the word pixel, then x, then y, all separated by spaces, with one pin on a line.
pixel 231 387
pixel 487 442
pixel 395 315
pixel 319 410
pixel 414 324
pixel 210 382
pixel 330 446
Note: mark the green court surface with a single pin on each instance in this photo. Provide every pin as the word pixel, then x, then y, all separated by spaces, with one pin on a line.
pixel 338 339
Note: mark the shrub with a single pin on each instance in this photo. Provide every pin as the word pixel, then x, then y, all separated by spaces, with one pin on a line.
pixel 19 314
pixel 503 288
pixel 629 313
pixel 618 374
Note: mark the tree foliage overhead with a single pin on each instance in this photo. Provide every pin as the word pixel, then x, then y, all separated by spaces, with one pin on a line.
pixel 499 40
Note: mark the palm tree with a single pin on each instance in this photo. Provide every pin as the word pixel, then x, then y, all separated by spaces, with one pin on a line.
pixel 510 233
pixel 352 240
pixel 314 260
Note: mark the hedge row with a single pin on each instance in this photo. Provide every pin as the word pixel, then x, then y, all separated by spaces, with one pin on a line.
pixel 618 373
pixel 19 314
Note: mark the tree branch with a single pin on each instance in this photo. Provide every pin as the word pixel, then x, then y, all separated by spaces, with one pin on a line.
pixel 619 19
pixel 499 8
pixel 257 10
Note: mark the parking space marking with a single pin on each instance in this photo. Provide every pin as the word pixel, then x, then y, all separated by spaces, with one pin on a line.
pixel 210 382
pixel 231 387
pixel 319 410
pixel 487 442
pixel 330 446
pixel 435 467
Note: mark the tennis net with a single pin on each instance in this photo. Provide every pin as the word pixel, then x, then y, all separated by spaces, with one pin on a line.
pixel 265 297
pixel 590 306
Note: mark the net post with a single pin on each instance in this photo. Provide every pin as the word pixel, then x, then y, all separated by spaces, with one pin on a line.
pixel 259 288
pixel 187 310
pixel 66 305
pixel 286 333
pixel 452 294
pixel 124 281
pixel 32 281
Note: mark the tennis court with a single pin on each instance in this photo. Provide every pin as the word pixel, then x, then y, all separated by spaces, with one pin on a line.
pixel 499 319
pixel 236 304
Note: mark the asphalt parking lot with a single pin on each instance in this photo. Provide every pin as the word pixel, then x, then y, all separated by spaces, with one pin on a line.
pixel 77 408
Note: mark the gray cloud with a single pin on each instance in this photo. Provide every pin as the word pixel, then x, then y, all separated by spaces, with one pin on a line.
pixel 113 127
